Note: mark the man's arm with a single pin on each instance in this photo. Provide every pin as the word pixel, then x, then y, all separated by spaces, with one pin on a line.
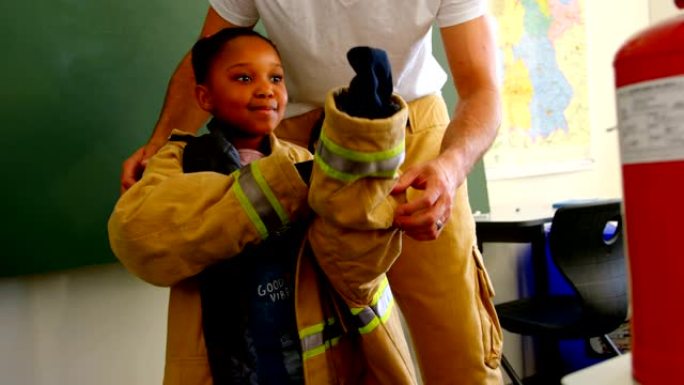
pixel 470 50
pixel 180 109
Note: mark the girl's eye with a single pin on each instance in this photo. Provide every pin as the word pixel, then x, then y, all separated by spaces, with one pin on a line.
pixel 243 78
pixel 277 78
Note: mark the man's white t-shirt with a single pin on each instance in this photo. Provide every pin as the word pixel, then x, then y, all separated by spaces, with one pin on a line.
pixel 313 37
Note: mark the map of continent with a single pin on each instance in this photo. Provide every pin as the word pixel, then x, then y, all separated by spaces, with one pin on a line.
pixel 545 122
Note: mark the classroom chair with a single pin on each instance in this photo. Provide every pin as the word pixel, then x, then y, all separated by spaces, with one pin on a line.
pixel 592 260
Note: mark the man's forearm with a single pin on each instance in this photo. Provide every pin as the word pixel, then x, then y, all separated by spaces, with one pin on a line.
pixel 472 130
pixel 471 50
pixel 180 109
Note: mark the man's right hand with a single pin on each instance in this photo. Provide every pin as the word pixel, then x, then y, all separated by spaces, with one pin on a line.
pixel 133 167
pixel 179 110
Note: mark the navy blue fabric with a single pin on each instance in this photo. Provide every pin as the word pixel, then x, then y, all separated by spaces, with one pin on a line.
pixel 271 322
pixel 370 91
pixel 248 314
pixel 210 152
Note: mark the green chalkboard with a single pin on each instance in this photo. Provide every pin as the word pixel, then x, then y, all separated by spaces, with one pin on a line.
pixel 477 182
pixel 82 85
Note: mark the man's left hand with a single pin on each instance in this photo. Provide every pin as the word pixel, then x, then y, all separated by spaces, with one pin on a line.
pixel 424 217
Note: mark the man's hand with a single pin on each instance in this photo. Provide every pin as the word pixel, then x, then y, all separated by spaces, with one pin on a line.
pixel 424 217
pixel 471 131
pixel 133 167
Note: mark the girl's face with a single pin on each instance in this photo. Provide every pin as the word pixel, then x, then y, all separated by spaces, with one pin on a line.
pixel 245 88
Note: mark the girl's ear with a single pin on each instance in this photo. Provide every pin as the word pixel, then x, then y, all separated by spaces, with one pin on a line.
pixel 203 97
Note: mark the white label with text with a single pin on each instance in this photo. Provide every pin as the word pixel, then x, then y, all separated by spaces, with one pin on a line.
pixel 651 121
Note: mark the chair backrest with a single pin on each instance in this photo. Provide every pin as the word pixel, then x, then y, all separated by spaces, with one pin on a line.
pixel 586 243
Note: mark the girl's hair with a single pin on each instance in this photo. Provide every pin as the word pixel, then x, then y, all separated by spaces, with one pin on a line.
pixel 207 48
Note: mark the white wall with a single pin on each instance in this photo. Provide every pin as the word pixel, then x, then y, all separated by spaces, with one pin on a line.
pixel 99 325
pixel 662 9
pixel 94 325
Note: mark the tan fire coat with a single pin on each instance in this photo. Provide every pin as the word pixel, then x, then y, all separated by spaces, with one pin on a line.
pixel 169 226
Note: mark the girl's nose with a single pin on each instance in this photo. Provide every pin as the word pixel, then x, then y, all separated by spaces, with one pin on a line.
pixel 264 90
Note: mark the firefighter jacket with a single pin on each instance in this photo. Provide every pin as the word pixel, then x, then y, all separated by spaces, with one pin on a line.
pixel 170 226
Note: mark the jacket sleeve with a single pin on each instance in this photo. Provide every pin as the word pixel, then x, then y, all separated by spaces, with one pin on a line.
pixel 355 168
pixel 171 225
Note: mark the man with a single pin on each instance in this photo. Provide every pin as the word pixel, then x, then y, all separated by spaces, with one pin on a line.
pixel 439 280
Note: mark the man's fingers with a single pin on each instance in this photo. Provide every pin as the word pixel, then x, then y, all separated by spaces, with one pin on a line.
pixel 425 200
pixel 415 206
pixel 424 234
pixel 418 219
pixel 427 231
pixel 424 216
pixel 408 179
pixel 422 220
pixel 132 169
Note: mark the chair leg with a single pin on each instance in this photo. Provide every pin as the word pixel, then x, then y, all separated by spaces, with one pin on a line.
pixel 609 342
pixel 510 371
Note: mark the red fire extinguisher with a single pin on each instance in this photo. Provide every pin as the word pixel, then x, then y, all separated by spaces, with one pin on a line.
pixel 649 76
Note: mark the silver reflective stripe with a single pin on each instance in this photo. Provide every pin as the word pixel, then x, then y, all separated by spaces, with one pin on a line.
pixel 258 200
pixel 365 317
pixel 384 305
pixel 369 317
pixel 318 338
pixel 382 167
pixel 311 342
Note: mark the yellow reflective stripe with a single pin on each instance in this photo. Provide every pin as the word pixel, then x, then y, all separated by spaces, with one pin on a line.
pixel 315 351
pixel 388 312
pixel 347 165
pixel 334 173
pixel 361 156
pixel 320 349
pixel 368 318
pixel 381 290
pixel 312 339
pixel 270 196
pixel 385 303
pixel 370 326
pixel 258 200
pixel 247 206
pixel 309 330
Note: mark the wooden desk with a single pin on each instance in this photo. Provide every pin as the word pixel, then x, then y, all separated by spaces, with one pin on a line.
pixel 519 229
pixel 614 371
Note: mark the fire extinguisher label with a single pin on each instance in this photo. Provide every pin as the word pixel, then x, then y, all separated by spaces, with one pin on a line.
pixel 651 121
